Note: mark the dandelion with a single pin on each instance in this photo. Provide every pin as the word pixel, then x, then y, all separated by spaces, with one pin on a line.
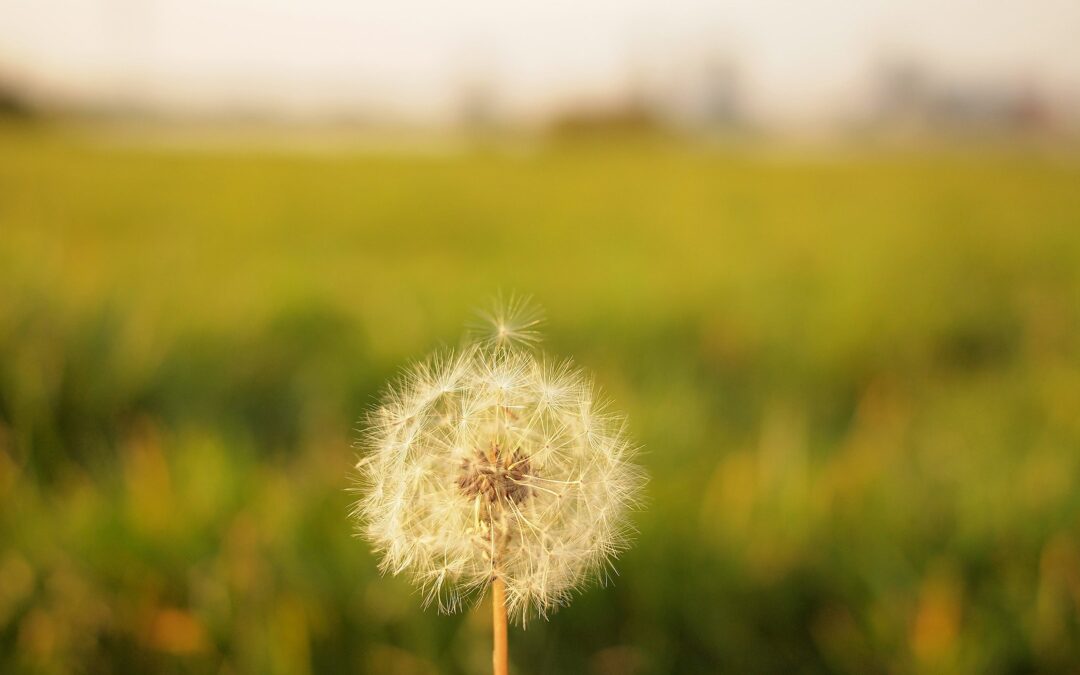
pixel 494 466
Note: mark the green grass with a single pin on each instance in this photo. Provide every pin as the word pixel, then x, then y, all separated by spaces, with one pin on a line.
pixel 856 377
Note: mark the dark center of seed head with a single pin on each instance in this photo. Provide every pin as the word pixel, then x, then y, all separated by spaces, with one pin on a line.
pixel 495 475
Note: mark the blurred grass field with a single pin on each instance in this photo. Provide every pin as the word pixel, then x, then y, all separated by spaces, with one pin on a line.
pixel 856 377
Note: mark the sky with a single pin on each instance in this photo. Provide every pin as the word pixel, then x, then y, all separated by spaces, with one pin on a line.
pixel 411 57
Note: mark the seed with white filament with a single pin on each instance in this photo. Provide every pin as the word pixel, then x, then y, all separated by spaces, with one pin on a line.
pixel 495 475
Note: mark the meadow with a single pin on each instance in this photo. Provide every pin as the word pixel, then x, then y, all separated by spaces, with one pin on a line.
pixel 855 375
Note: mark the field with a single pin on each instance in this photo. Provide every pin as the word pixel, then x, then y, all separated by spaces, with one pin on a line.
pixel 856 377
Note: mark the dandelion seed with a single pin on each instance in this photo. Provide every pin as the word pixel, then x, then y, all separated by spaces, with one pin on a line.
pixel 493 467
pixel 510 322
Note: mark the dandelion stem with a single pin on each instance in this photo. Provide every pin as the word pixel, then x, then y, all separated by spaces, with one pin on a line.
pixel 499 656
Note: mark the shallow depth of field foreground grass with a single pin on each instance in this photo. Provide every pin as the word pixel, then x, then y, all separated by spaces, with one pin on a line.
pixel 856 377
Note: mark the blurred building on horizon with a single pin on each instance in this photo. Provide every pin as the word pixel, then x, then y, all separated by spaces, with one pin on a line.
pixel 954 68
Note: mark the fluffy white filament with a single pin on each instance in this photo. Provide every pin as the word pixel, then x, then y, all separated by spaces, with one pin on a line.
pixel 492 461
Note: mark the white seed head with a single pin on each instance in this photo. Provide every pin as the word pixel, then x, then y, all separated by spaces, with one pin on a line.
pixel 495 462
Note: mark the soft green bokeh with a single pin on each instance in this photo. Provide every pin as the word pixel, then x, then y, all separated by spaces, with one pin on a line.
pixel 856 377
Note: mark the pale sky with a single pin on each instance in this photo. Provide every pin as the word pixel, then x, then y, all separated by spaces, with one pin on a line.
pixel 410 57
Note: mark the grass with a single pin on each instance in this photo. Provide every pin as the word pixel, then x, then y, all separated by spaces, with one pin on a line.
pixel 856 377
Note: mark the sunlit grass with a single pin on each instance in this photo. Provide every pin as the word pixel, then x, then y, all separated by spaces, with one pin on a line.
pixel 856 379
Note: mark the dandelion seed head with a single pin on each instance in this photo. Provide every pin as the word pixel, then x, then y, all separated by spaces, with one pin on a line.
pixel 493 461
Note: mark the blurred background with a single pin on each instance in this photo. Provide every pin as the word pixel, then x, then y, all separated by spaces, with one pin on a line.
pixel 826 256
